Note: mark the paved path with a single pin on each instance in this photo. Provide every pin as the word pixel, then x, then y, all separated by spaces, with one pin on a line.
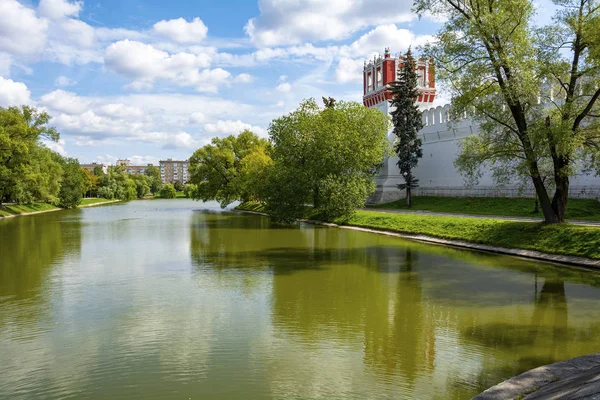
pixel 500 217
pixel 578 378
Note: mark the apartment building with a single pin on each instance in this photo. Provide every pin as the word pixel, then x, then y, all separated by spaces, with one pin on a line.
pixel 137 169
pixel 174 170
pixel 92 166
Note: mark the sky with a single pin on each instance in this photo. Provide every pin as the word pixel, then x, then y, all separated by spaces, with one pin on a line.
pixel 152 79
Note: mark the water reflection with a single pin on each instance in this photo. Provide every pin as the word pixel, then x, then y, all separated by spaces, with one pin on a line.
pixel 160 300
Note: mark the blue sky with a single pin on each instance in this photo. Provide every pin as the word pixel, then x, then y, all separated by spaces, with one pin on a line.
pixel 150 79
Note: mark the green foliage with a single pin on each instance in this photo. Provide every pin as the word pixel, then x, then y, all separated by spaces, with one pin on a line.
pixel 316 152
pixel 142 185
pixel 156 181
pixel 220 170
pixel 90 183
pixel 190 190
pixel 28 170
pixel 168 191
pixel 117 184
pixel 98 171
pixel 407 122
pixel 498 66
pixel 72 185
pixel 178 186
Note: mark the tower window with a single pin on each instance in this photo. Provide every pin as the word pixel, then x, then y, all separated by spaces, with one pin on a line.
pixel 378 77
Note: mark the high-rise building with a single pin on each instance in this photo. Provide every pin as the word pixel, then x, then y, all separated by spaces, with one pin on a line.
pixel 174 170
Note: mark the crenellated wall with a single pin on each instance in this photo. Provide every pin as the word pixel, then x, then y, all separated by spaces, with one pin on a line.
pixel 437 174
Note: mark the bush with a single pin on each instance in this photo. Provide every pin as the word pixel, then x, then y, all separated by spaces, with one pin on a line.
pixel 168 192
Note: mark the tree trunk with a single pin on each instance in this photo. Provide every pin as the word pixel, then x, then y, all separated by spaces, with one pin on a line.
pixel 408 197
pixel 550 216
pixel 561 195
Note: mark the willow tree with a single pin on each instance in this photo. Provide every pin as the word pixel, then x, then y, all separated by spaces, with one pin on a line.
pixel 407 122
pixel 534 90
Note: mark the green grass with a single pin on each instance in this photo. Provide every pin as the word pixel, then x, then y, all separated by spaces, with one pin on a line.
pixel 16 209
pixel 93 200
pixel 564 239
pixel 577 209
pixel 178 195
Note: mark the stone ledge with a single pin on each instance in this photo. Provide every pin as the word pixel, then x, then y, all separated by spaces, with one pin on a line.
pixel 577 378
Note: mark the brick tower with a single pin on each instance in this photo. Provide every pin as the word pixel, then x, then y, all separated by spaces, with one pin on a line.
pixel 381 71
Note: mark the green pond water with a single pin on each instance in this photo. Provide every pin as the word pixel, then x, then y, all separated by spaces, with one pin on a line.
pixel 174 299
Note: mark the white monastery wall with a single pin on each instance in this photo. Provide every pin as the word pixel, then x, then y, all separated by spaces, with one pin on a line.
pixel 437 174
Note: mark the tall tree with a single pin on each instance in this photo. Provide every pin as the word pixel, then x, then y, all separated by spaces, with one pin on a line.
pixel 533 90
pixel 217 169
pixel 155 181
pixel 327 157
pixel 28 172
pixel 407 122
pixel 72 185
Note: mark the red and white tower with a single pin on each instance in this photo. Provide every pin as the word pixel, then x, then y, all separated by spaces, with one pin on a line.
pixel 381 71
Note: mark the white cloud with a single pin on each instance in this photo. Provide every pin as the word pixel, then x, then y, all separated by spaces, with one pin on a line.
pixel 119 110
pixel 146 64
pixel 56 9
pixel 197 118
pixel 243 78
pixel 182 31
pixel 387 36
pixel 233 128
pixel 63 101
pixel 282 78
pixel 58 147
pixel 292 22
pixel 144 160
pixel 5 64
pixel 349 70
pixel 22 33
pixel 64 81
pixel 284 87
pixel 13 93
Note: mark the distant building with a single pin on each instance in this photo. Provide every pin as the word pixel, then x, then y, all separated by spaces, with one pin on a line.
pixel 123 163
pixel 137 169
pixel 92 166
pixel 173 170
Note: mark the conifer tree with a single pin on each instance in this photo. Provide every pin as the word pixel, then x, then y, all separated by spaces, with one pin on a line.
pixel 407 122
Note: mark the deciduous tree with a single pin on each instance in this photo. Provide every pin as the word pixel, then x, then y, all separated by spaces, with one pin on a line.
pixel 533 90
pixel 317 152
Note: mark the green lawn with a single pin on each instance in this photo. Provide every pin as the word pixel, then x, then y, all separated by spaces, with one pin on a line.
pixel 577 209
pixel 562 239
pixel 15 209
pixel 93 200
pixel 178 195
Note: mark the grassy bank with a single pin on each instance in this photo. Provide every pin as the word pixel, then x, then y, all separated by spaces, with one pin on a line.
pixel 18 209
pixel 577 209
pixel 93 200
pixel 561 239
pixel 178 195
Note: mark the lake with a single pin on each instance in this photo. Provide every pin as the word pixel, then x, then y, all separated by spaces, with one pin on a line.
pixel 175 299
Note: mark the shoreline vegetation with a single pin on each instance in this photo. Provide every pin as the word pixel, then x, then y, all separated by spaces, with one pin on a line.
pixel 18 210
pixel 556 239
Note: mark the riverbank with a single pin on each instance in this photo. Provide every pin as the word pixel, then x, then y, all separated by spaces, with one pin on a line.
pixel 577 209
pixel 18 210
pixel 565 243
